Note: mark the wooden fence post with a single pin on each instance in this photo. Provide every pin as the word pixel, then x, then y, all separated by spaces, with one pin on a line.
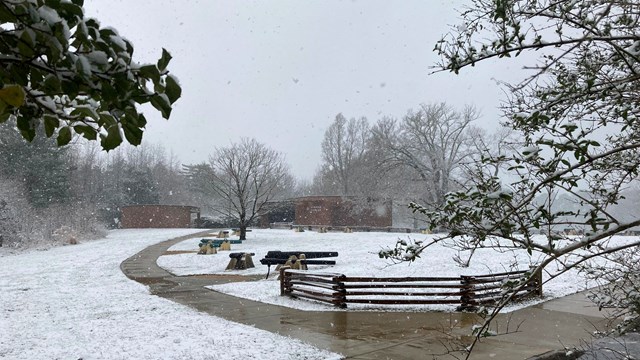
pixel 340 294
pixel 536 280
pixel 467 296
pixel 285 283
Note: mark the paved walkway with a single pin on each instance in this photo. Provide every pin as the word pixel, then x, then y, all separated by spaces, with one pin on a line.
pixel 377 335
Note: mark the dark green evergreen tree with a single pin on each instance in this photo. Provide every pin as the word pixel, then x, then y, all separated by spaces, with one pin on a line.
pixel 139 187
pixel 42 167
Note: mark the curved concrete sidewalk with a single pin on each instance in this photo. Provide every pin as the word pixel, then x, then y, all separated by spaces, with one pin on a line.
pixel 555 324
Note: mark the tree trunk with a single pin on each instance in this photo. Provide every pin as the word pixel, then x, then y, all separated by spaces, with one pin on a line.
pixel 243 225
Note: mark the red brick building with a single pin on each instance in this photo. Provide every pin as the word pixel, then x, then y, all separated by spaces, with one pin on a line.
pixel 342 211
pixel 158 216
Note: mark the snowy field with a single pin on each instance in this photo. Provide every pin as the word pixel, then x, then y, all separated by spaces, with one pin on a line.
pixel 358 256
pixel 73 302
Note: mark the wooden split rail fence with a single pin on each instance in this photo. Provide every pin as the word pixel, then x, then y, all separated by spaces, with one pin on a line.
pixel 468 292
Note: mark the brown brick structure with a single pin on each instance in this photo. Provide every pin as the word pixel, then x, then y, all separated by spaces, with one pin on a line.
pixel 342 211
pixel 158 216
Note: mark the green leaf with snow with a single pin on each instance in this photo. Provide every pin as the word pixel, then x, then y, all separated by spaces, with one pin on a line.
pixel 112 140
pixel 86 131
pixel 161 102
pixel 25 127
pixel 132 133
pixel 64 136
pixel 51 123
pixel 164 60
pixel 150 72
pixel 173 89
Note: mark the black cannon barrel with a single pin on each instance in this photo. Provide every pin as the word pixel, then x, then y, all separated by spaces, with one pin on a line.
pixel 307 254
pixel 238 255
pixel 318 262
pixel 278 261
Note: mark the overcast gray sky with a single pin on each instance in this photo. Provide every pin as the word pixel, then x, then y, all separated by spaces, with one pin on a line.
pixel 279 71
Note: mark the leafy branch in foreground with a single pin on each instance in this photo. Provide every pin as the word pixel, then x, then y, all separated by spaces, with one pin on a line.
pixel 562 194
pixel 67 73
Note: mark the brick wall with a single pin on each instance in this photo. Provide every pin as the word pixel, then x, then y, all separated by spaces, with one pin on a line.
pixel 342 211
pixel 157 216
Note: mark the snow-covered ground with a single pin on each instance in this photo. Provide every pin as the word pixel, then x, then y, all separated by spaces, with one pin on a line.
pixel 73 302
pixel 358 256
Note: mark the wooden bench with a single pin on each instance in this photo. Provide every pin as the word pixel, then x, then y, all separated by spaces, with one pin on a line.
pixel 310 258
pixel 240 261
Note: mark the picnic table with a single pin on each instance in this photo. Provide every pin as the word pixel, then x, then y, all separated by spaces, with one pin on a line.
pixel 303 257
pixel 210 246
pixel 217 242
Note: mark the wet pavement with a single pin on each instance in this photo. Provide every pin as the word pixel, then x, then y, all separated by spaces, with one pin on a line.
pixel 555 324
pixel 623 347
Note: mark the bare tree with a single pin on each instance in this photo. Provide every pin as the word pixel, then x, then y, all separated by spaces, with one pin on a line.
pixel 343 150
pixel 498 145
pixel 243 177
pixel 432 141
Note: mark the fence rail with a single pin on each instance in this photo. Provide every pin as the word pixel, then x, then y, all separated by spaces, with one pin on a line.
pixel 468 292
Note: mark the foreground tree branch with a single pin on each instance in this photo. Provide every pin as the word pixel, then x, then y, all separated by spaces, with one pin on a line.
pixel 67 74
pixel 561 193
